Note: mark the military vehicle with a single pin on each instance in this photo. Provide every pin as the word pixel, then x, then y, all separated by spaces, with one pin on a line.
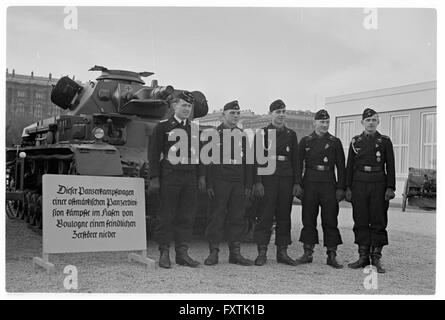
pixel 105 132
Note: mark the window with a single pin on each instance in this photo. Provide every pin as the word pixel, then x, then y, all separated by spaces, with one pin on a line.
pixel 20 109
pixel 346 133
pixel 21 94
pixel 38 111
pixel 400 138
pixel 40 95
pixel 428 154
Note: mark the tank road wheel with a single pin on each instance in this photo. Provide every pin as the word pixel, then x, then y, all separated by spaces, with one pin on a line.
pixel 63 167
pixel 28 205
pixel 13 209
pixel 33 209
pixel 38 219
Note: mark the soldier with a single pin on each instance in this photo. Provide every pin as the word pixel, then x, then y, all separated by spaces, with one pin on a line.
pixel 178 184
pixel 228 186
pixel 321 153
pixel 370 182
pixel 276 191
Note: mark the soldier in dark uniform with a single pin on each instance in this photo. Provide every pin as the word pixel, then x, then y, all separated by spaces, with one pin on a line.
pixel 276 191
pixel 321 153
pixel 228 185
pixel 178 183
pixel 370 182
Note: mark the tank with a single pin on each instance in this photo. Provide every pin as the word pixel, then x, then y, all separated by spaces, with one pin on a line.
pixel 105 132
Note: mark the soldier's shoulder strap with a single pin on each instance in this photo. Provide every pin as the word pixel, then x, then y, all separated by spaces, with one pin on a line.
pixel 333 138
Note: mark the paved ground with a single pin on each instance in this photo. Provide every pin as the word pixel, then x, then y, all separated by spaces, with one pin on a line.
pixel 409 259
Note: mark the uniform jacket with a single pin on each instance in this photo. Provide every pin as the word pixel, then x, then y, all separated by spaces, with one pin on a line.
pixel 160 145
pixel 325 150
pixel 235 172
pixel 375 151
pixel 286 145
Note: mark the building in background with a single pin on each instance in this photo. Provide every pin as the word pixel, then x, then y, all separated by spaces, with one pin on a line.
pixel 299 121
pixel 407 116
pixel 28 99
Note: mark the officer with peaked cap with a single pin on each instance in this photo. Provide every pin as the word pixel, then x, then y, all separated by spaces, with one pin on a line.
pixel 276 191
pixel 176 181
pixel 321 153
pixel 370 182
pixel 229 182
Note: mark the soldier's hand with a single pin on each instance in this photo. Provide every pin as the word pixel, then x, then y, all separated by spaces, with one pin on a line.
pixel 258 190
pixel 154 185
pixel 202 183
pixel 348 194
pixel 298 191
pixel 389 194
pixel 339 194
pixel 248 192
pixel 210 193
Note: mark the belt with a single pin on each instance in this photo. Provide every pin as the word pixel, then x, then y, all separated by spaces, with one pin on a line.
pixel 321 168
pixel 370 169
pixel 280 158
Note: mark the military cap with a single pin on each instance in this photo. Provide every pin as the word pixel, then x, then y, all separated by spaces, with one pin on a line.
pixel 322 115
pixel 277 104
pixel 368 112
pixel 185 95
pixel 233 105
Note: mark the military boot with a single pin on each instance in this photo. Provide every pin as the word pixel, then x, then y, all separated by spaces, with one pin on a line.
pixel 164 259
pixel 282 256
pixel 235 256
pixel 183 258
pixel 376 256
pixel 331 260
pixel 307 255
pixel 212 259
pixel 262 255
pixel 363 259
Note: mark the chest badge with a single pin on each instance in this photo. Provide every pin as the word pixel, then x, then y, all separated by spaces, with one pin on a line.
pixel 325 160
pixel 287 148
pixel 377 145
pixel 378 154
pixel 307 149
pixel 326 146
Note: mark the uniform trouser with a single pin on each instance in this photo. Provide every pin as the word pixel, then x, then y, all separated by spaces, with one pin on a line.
pixel 370 213
pixel 227 212
pixel 178 205
pixel 320 194
pixel 277 202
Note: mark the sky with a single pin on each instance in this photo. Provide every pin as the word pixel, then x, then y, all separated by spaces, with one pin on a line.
pixel 253 55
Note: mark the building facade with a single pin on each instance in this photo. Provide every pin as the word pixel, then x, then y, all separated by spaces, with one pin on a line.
pixel 407 115
pixel 299 121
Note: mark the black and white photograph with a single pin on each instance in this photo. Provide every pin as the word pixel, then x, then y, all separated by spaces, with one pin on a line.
pixel 220 150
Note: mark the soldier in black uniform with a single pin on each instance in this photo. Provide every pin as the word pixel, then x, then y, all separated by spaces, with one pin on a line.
pixel 228 185
pixel 321 153
pixel 370 182
pixel 276 191
pixel 178 183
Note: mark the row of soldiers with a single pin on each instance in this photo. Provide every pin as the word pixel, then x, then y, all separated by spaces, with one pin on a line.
pixel 312 170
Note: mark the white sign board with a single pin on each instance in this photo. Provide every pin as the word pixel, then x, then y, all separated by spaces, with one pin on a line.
pixel 90 214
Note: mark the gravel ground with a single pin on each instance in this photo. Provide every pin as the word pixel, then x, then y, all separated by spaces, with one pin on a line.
pixel 409 260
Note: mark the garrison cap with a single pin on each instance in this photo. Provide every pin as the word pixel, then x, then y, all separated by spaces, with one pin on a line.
pixel 368 112
pixel 185 95
pixel 322 115
pixel 277 104
pixel 233 105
